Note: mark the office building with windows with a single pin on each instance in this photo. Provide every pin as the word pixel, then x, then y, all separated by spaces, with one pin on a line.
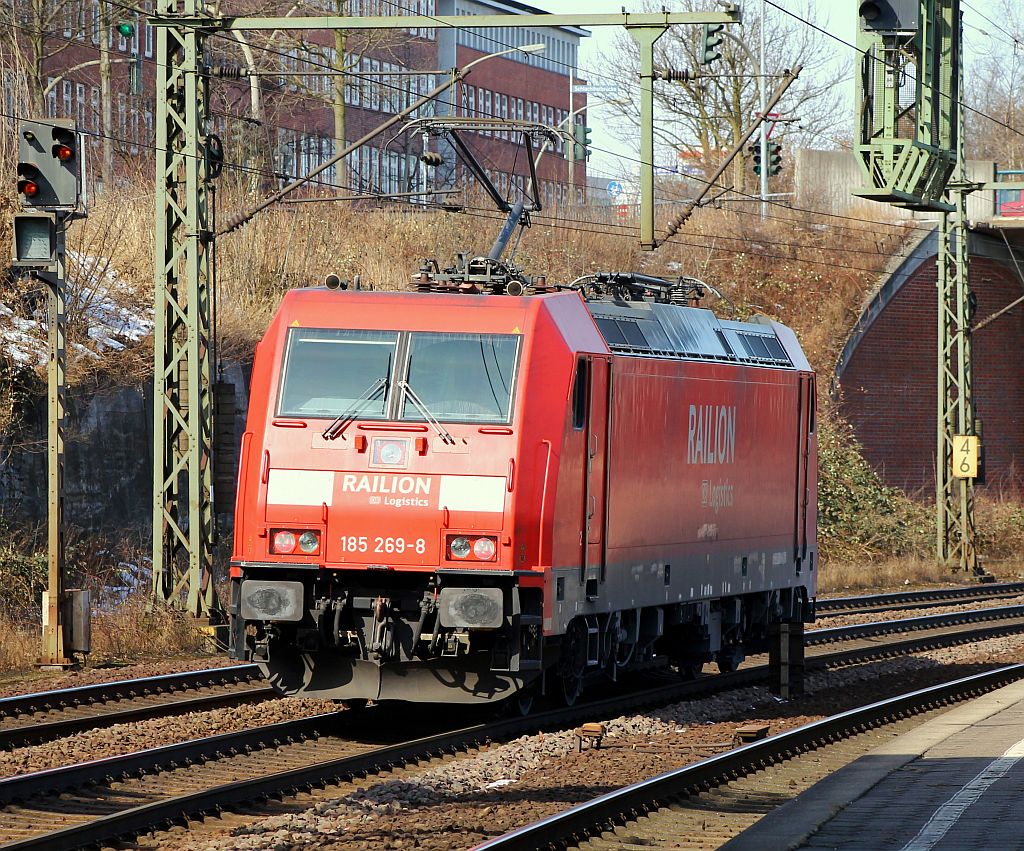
pixel 313 90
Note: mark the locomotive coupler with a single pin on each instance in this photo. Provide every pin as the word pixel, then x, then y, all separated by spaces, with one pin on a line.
pixel 381 643
pixel 261 646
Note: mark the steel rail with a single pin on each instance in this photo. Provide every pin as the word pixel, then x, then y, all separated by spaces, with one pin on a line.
pixel 45 731
pixel 147 816
pixel 902 599
pixel 31 733
pixel 20 787
pixel 589 818
pixel 866 630
pixel 29 718
pixel 43 701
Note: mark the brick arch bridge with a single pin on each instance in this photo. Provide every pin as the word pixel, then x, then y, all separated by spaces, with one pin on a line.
pixel 886 378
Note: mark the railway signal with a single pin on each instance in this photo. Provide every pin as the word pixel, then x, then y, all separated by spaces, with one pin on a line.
pixel 28 182
pixel 48 189
pixel 48 173
pixel 774 157
pixel 35 241
pixel 711 40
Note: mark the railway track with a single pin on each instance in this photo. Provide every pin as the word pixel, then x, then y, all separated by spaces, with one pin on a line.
pixel 836 606
pixel 45 716
pixel 73 806
pixel 713 800
pixel 27 719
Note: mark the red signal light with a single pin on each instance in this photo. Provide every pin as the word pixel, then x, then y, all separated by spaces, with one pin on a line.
pixel 28 188
pixel 64 153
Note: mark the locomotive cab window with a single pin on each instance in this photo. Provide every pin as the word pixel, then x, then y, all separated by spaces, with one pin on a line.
pixel 579 395
pixel 328 371
pixel 460 377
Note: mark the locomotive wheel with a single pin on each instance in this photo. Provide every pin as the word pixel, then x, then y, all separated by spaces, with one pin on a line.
pixel 572 663
pixel 690 670
pixel 522 704
pixel 728 661
pixel 572 687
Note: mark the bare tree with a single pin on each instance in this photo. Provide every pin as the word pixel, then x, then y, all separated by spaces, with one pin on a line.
pixel 344 61
pixel 36 32
pixel 995 124
pixel 705 116
pixel 297 73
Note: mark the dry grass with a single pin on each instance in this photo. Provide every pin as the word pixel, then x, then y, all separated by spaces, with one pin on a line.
pixel 19 644
pixel 838 577
pixel 133 631
pixel 810 272
pixel 880 575
pixel 124 629
pixel 127 633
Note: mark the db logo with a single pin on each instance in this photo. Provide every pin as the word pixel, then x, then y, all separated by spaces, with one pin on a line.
pixel 374 500
pixel 705 492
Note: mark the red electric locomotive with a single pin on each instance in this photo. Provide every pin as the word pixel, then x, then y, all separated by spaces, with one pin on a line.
pixel 461 498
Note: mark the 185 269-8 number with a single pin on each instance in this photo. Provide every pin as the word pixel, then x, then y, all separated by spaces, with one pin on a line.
pixel 381 544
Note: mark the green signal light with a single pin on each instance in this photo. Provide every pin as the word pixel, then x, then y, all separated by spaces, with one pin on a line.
pixel 125 29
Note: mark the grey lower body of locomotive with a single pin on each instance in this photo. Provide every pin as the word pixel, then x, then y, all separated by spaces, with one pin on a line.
pixel 631 616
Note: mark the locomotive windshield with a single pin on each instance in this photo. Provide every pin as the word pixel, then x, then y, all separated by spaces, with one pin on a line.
pixel 462 377
pixel 456 377
pixel 328 370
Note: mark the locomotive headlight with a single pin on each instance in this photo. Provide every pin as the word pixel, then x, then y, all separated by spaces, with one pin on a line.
pixel 391 453
pixel 309 542
pixel 459 547
pixel 284 542
pixel 483 548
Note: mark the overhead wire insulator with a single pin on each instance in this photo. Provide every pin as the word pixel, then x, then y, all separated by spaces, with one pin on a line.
pixel 674 75
pixel 230 72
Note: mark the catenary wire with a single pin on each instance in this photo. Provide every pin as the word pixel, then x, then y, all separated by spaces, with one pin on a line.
pixel 595 148
pixel 1014 40
pixel 604 227
pixel 323 183
pixel 554 223
pixel 676 241
pixel 632 230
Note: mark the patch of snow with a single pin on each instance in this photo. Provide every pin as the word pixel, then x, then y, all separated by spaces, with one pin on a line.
pixel 98 299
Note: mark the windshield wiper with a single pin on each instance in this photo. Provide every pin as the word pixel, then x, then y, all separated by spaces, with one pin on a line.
pixel 345 417
pixel 443 433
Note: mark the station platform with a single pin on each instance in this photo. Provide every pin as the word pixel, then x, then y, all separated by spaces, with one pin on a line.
pixel 954 783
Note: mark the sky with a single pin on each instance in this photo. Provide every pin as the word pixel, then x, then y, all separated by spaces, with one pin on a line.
pixel 615 159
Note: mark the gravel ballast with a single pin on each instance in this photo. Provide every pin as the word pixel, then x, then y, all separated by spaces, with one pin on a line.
pixel 466 800
pixel 153 732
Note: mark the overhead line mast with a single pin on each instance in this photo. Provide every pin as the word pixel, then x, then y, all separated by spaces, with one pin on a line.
pixel 187 161
pixel 911 153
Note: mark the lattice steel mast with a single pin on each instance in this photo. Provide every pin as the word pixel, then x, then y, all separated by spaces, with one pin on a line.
pixel 908 149
pixel 183 528
pixel 954 495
